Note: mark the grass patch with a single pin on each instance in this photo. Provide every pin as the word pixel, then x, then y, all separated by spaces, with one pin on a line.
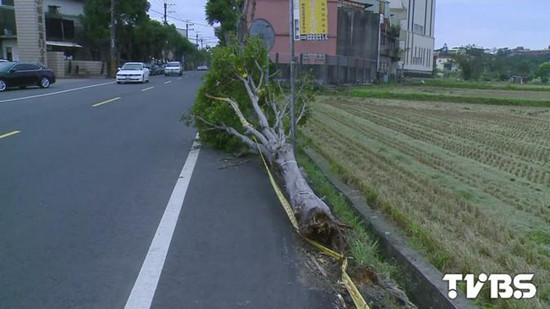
pixel 378 94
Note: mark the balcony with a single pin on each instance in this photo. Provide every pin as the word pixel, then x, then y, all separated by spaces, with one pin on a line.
pixel 6 2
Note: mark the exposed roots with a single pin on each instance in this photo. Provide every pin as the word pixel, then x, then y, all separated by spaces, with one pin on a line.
pixel 322 227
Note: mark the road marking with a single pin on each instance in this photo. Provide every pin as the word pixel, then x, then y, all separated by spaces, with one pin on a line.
pixel 146 89
pixel 9 134
pixel 105 102
pixel 146 283
pixel 168 82
pixel 54 93
pixel 179 78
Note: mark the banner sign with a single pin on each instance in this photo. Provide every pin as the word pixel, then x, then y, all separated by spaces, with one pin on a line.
pixel 313 20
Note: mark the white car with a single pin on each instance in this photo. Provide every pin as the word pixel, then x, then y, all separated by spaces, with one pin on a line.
pixel 173 68
pixel 132 72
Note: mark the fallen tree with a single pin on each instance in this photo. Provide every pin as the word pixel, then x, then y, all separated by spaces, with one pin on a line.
pixel 235 107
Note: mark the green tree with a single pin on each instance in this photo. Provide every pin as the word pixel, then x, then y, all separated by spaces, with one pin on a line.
pixel 472 61
pixel 225 12
pixel 129 14
pixel 544 72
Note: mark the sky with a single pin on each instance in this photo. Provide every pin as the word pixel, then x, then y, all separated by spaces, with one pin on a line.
pixel 485 23
pixel 493 23
pixel 181 10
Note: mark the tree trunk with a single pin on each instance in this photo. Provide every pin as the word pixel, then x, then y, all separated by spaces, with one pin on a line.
pixel 314 216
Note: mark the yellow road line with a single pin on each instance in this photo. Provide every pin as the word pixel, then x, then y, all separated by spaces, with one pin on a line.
pixel 9 134
pixel 148 88
pixel 105 102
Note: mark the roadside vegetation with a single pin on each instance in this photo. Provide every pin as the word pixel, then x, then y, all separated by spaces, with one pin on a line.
pixel 469 184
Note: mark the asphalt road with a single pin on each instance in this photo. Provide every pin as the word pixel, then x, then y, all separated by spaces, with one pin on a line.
pixel 87 169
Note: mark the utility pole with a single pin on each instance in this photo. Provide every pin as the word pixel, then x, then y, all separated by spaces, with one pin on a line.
pixel 292 77
pixel 187 24
pixel 165 14
pixel 113 39
pixel 197 43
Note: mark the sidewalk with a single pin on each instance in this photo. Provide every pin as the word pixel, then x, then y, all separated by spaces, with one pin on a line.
pixel 233 246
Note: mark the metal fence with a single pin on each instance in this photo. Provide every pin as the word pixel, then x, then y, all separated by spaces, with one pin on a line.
pixel 328 70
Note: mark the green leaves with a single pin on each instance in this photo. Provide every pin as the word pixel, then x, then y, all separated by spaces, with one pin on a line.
pixel 225 12
pixel 228 62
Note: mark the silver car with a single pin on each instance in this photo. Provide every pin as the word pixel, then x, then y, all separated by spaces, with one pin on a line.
pixel 173 68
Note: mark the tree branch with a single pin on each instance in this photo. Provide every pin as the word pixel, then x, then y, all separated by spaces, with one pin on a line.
pixel 242 119
pixel 261 116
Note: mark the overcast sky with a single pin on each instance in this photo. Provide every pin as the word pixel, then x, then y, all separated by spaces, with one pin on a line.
pixel 181 10
pixel 486 23
pixel 493 23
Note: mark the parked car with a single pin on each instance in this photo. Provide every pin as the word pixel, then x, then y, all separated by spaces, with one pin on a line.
pixel 158 69
pixel 132 72
pixel 202 68
pixel 173 68
pixel 21 74
pixel 150 68
pixel 4 60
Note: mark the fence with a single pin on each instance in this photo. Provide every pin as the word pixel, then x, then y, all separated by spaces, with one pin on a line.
pixel 328 70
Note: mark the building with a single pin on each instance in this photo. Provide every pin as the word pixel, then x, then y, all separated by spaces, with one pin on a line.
pixel 416 19
pixel 30 28
pixel 338 40
pixel 444 62
pixel 8 31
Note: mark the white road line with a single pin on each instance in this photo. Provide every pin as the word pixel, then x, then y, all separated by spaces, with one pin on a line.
pixel 54 93
pixel 145 286
pixel 168 82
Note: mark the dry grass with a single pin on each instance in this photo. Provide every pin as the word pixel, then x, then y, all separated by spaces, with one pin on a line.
pixel 469 184
pixel 493 93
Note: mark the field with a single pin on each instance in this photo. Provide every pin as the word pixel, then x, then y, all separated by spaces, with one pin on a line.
pixel 469 184
pixel 501 93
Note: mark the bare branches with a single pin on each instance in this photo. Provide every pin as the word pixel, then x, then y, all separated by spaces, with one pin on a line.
pixel 253 95
pixel 242 119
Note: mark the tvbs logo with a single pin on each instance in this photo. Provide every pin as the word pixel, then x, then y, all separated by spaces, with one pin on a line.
pixel 502 285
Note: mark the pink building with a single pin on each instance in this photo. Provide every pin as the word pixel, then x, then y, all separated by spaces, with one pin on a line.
pixel 349 34
pixel 276 13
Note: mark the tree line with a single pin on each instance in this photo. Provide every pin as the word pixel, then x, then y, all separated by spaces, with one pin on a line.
pixel 479 64
pixel 138 37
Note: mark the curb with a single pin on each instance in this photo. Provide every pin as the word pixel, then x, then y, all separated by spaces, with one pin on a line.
pixel 424 284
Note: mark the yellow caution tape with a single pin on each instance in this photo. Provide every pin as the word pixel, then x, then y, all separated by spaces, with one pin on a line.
pixel 358 300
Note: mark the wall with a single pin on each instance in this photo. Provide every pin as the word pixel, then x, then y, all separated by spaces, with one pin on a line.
pixel 90 68
pixel 276 12
pixel 56 62
pixel 417 20
pixel 357 33
pixel 66 7
pixel 31 31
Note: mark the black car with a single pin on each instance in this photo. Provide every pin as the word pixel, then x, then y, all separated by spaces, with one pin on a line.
pixel 20 74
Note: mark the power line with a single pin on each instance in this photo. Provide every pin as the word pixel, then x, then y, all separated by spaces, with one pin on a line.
pixel 181 20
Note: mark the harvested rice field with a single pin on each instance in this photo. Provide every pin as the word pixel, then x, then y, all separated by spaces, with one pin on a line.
pixel 469 184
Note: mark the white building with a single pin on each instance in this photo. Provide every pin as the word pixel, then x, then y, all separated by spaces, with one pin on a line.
pixel 416 19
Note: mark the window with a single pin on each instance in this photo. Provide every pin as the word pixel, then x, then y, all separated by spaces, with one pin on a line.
pixel 26 67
